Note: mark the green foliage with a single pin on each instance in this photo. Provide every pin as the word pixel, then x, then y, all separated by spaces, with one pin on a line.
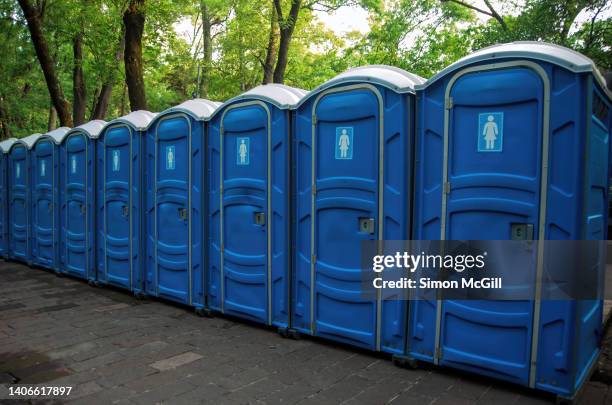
pixel 421 36
pixel 22 90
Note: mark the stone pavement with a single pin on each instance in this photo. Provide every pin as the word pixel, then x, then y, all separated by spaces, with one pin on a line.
pixel 113 348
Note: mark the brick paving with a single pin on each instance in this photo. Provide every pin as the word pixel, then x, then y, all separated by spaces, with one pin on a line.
pixel 113 348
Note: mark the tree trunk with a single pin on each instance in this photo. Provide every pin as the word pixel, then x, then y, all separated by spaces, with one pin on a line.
pixel 268 68
pixel 5 131
pixel 287 25
pixel 123 96
pixel 52 122
pixel 79 92
pixel 133 20
pixel 60 103
pixel 101 108
pixel 94 102
pixel 207 49
pixel 103 99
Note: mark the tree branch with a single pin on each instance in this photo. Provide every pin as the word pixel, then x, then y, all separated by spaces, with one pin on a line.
pixel 467 5
pixel 47 64
pixel 326 8
pixel 279 10
pixel 495 15
pixel 592 27
pixel 491 12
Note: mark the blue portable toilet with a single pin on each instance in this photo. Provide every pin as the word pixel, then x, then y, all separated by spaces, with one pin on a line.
pixel 19 199
pixel 77 200
pixel 175 194
pixel 249 156
pixel 119 201
pixel 45 199
pixel 513 137
pixel 5 146
pixel 353 161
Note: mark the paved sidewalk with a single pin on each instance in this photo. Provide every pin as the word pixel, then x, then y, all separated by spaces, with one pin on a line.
pixel 114 348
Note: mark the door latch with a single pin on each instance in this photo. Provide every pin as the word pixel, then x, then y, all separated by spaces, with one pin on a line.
pixel 182 212
pixel 521 231
pixel 50 206
pixel 125 211
pixel 366 225
pixel 260 218
pixel 82 208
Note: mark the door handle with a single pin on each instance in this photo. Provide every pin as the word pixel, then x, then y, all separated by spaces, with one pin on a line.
pixel 125 211
pixel 521 231
pixel 82 207
pixel 366 225
pixel 50 206
pixel 259 218
pixel 182 213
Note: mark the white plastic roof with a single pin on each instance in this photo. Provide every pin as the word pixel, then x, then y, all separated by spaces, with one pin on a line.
pixel 28 141
pixel 139 120
pixel 91 128
pixel 199 108
pixel 391 77
pixel 284 97
pixel 57 134
pixel 543 51
pixel 5 145
pixel 388 76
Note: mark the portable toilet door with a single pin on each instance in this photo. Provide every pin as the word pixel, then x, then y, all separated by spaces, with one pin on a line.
pixel 175 192
pixel 249 260
pixel 77 199
pixel 5 146
pixel 19 199
pixel 353 159
pixel 513 136
pixel 45 199
pixel 118 201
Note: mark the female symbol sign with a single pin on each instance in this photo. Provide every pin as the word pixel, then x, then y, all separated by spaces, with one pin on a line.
pixel 243 151
pixel 344 143
pixel 490 132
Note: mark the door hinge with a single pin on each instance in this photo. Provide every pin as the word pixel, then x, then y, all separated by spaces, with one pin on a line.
pixel 447 187
pixel 222 248
pixel 313 258
pixel 438 353
pixel 314 189
pixel 448 103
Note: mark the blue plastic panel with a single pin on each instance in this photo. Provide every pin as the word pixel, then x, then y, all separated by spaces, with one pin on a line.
pixel 4 192
pixel 348 177
pixel 118 207
pixel 489 192
pixel 77 203
pixel 19 203
pixel 255 177
pixel 245 185
pixel 494 185
pixel 44 220
pixel 173 217
pixel 571 331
